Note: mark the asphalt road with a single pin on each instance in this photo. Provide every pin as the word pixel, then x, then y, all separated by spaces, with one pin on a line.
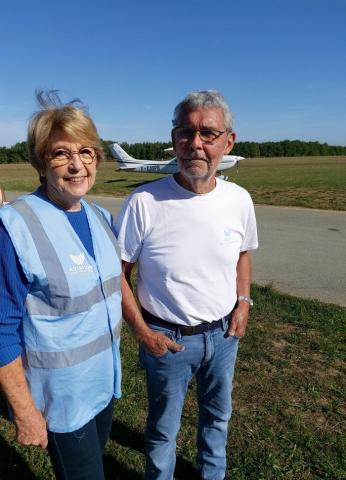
pixel 301 252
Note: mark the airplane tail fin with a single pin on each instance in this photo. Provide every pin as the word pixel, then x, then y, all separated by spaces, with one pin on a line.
pixel 123 159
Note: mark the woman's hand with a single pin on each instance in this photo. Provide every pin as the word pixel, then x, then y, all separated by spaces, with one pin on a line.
pixel 31 429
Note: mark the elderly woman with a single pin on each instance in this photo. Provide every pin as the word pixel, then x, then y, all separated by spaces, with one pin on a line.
pixel 60 300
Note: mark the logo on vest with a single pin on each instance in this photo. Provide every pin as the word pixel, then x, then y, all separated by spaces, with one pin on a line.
pixel 79 264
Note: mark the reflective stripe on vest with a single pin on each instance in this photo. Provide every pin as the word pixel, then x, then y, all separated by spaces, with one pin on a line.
pixel 55 274
pixel 106 227
pixel 57 280
pixel 68 306
pixel 73 356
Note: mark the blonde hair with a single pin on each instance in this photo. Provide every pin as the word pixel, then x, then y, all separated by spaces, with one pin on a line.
pixel 70 118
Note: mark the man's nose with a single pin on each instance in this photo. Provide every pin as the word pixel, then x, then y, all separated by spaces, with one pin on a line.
pixel 196 142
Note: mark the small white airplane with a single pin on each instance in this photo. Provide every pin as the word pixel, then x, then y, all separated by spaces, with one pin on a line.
pixel 126 162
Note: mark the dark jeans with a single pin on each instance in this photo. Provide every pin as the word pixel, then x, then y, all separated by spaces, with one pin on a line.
pixel 78 455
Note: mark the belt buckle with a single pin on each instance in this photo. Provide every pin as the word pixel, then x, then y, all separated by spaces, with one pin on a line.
pixel 194 329
pixel 189 330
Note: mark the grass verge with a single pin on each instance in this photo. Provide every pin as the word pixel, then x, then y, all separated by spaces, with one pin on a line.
pixel 288 399
pixel 311 182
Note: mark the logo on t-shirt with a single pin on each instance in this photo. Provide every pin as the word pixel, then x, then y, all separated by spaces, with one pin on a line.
pixel 227 236
pixel 230 237
pixel 79 264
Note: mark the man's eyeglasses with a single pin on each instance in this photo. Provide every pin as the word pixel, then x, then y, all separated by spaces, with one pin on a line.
pixel 207 135
pixel 61 156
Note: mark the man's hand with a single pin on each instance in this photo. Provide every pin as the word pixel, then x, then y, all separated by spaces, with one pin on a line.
pixel 31 429
pixel 158 343
pixel 239 320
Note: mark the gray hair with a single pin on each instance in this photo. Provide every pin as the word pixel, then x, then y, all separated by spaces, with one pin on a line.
pixel 206 99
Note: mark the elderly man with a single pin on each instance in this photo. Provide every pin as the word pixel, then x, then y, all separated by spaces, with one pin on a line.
pixel 190 234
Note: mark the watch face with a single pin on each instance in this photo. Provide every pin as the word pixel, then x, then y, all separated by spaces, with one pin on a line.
pixel 245 299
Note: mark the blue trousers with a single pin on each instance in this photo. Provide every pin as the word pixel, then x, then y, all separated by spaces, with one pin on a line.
pixel 210 357
pixel 78 455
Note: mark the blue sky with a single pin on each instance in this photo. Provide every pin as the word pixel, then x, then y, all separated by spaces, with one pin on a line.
pixel 280 64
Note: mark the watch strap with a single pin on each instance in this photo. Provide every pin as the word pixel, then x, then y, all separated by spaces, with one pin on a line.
pixel 244 298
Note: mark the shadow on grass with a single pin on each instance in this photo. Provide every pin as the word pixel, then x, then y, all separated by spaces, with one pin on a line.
pixel 129 438
pixel 130 185
pixel 115 470
pixel 139 184
pixel 184 470
pixel 12 466
pixel 3 407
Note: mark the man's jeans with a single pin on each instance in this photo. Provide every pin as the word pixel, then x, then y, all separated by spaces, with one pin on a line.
pixel 210 357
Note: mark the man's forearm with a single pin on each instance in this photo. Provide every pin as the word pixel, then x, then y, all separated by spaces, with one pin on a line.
pixel 244 274
pixel 131 312
pixel 156 343
pixel 240 314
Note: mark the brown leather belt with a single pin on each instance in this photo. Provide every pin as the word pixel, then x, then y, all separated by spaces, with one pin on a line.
pixel 193 330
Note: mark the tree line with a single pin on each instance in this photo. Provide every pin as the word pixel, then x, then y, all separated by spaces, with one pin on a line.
pixel 155 150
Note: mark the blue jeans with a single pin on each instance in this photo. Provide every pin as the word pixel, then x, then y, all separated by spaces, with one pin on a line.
pixel 210 357
pixel 78 455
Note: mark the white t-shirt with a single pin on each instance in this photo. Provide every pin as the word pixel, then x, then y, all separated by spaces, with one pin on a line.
pixel 187 247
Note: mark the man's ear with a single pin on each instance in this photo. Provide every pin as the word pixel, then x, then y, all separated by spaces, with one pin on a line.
pixel 231 137
pixel 172 137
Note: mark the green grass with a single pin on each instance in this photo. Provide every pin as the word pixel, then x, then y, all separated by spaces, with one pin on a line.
pixel 288 399
pixel 311 182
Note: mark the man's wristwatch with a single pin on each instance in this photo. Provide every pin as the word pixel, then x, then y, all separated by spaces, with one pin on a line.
pixel 243 298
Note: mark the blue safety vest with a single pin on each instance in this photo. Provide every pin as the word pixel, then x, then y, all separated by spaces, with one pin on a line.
pixel 72 317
